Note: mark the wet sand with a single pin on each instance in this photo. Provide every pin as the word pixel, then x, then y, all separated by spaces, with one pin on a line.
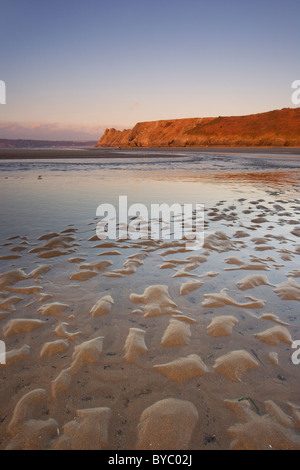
pixel 141 344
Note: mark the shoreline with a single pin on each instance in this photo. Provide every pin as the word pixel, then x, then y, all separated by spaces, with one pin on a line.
pixel 112 152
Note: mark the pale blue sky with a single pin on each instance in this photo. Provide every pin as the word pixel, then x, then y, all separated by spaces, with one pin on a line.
pixel 74 67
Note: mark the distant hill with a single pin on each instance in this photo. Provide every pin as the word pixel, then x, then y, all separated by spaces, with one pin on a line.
pixel 21 143
pixel 277 128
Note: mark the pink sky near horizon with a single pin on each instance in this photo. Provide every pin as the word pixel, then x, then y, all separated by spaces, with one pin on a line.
pixel 49 131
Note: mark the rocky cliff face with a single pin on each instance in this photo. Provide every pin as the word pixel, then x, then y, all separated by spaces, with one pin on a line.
pixel 275 128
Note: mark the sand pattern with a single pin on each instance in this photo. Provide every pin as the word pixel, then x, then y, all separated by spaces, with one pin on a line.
pixel 272 430
pixel 88 432
pixel 134 343
pixel 26 428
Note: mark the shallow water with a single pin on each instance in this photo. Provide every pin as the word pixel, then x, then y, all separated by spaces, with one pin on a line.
pixel 252 203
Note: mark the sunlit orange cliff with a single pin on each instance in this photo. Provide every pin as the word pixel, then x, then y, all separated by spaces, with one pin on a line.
pixel 277 128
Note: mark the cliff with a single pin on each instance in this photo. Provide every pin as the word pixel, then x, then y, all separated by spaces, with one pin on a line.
pixel 271 129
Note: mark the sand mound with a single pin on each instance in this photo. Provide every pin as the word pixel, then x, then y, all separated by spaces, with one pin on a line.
pixel 167 425
pixel 21 325
pixel 9 303
pixel 185 272
pixel 89 431
pixel 240 234
pixel 53 253
pixel 83 275
pixel 294 273
pixel 31 406
pixel 273 430
pixel 253 280
pixel 222 326
pixel 110 253
pixel 30 290
pixel 273 356
pixel 76 260
pixel 87 352
pixel 96 266
pixel 190 286
pixel 156 301
pixel 173 250
pixel 131 264
pixel 184 318
pixel 135 344
pixel 60 241
pixel 275 335
pixel 61 383
pixel 221 299
pixel 28 430
pixel 61 331
pixel 296 232
pixel 103 244
pixel 102 307
pixel 178 333
pixel 54 309
pixel 16 355
pixel 34 435
pixel 38 272
pixel 183 369
pixel 219 242
pixel 235 364
pixel 270 316
pixel 137 311
pixel 69 230
pixel 113 274
pixel 9 278
pixel 54 347
pixel 288 290
pixel 259 265
pixel 48 236
pixel 212 273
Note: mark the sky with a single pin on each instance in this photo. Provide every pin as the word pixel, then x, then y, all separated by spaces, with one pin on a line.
pixel 72 68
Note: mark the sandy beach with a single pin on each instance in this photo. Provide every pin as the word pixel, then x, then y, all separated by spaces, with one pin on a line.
pixel 143 344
